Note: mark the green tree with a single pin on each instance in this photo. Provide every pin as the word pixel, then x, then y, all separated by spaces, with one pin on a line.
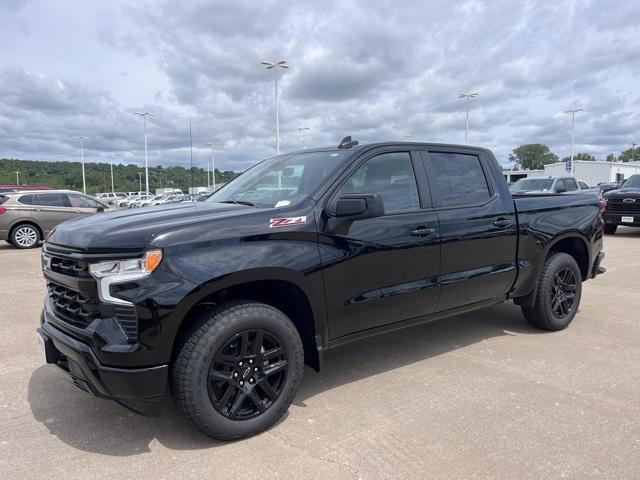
pixel 532 156
pixel 611 158
pixel 581 156
pixel 629 155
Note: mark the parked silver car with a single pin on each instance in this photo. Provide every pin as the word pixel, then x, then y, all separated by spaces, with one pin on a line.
pixel 27 217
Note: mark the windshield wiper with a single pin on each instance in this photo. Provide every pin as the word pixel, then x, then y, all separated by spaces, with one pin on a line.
pixel 239 202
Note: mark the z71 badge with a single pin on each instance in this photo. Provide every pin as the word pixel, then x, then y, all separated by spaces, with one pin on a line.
pixel 287 222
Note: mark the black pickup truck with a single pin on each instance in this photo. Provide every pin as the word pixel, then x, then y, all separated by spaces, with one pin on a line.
pixel 622 205
pixel 224 301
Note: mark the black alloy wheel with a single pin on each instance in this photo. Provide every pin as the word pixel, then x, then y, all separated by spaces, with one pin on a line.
pixel 247 374
pixel 563 293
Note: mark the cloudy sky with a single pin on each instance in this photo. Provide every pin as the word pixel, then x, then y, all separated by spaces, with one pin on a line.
pixel 374 69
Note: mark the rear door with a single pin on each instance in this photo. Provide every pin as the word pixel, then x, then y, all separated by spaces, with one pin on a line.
pixel 382 270
pixel 477 226
pixel 51 210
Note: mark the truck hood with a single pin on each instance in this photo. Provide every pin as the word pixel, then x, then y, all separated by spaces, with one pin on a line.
pixel 131 229
pixel 623 193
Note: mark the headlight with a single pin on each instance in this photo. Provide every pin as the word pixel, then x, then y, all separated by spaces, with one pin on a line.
pixel 120 271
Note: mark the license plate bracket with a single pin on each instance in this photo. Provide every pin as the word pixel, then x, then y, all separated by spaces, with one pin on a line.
pixel 627 219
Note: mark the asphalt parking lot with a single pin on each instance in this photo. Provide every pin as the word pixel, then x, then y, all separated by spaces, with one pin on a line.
pixel 480 395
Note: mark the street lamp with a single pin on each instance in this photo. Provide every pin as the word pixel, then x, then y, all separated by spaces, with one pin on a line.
pixel 17 179
pixel 303 131
pixel 144 115
pixel 275 66
pixel 140 180
pixel 213 165
pixel 633 152
pixel 111 163
pixel 467 95
pixel 573 111
pixel 84 183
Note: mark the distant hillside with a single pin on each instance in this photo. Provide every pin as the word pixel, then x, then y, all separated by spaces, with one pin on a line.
pixel 98 177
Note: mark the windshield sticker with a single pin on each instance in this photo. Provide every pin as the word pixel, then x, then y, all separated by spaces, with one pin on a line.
pixel 287 222
pixel 282 203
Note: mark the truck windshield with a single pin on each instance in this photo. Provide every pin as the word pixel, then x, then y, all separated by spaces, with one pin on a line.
pixel 280 181
pixel 632 182
pixel 532 184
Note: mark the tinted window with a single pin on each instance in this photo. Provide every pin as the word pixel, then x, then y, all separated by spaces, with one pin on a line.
pixel 80 201
pixel 583 185
pixel 459 178
pixel 570 184
pixel 3 199
pixel 391 175
pixel 51 200
pixel 532 184
pixel 28 200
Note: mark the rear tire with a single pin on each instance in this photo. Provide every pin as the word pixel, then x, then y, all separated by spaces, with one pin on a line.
pixel 558 294
pixel 25 235
pixel 238 369
pixel 610 229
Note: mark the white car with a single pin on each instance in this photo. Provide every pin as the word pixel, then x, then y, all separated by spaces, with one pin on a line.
pixel 137 203
pixel 125 202
pixel 149 201
pixel 110 197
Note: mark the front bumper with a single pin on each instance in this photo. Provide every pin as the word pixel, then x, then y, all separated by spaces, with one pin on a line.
pixel 616 218
pixel 139 389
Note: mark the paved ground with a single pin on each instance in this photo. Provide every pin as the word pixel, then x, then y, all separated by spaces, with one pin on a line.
pixel 481 395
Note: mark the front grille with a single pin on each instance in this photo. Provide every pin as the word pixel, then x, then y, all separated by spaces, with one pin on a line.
pixel 74 308
pixel 620 206
pixel 71 267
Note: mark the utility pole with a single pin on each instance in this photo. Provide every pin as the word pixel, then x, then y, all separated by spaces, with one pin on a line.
pixel 467 96
pixel 303 131
pixel 275 66
pixel 140 179
pixel 17 179
pixel 213 164
pixel 573 111
pixel 112 189
pixel 633 152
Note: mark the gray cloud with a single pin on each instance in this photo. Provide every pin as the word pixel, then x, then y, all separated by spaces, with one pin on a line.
pixel 376 70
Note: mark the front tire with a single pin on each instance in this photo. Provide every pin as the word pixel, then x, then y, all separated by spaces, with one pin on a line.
pixel 25 236
pixel 238 369
pixel 558 294
pixel 610 229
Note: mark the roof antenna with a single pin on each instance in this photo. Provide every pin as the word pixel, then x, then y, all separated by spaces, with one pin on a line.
pixel 346 142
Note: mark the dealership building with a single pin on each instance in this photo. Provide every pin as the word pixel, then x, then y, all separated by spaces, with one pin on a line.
pixel 591 172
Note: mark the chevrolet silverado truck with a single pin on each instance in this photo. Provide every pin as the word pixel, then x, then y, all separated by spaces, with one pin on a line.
pixel 223 302
pixel 622 206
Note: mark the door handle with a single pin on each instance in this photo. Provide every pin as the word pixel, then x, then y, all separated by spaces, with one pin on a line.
pixel 423 232
pixel 503 222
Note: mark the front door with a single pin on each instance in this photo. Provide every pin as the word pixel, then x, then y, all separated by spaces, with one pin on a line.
pixel 477 224
pixel 382 270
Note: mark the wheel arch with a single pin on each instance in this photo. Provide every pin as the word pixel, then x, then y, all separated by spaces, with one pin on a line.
pixel 24 221
pixel 280 288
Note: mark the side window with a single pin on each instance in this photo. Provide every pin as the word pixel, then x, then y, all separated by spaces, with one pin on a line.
pixel 390 175
pixel 570 184
pixel 80 201
pixel 31 199
pixel 459 179
pixel 583 185
pixel 52 200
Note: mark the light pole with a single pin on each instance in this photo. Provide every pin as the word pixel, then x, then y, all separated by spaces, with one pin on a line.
pixel 467 95
pixel 633 152
pixel 111 162
pixel 573 111
pixel 213 165
pixel 84 183
pixel 275 66
pixel 144 115
pixel 303 131
pixel 140 180
pixel 17 179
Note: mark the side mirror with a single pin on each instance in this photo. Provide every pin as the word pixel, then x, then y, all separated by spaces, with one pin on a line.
pixel 99 209
pixel 357 206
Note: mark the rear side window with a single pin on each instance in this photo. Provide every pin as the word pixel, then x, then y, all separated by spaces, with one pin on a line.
pixel 28 199
pixel 570 184
pixel 459 179
pixel 52 200
pixel 3 198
